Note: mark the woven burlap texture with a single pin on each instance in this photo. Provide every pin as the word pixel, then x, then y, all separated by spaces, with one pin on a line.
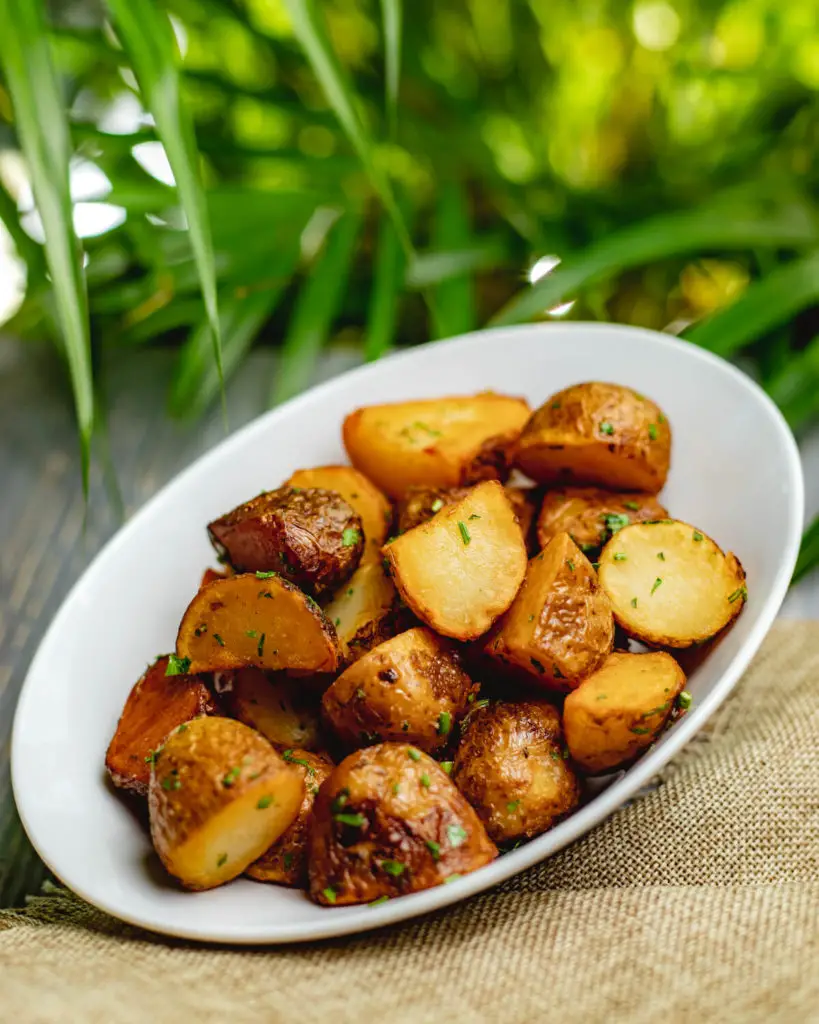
pixel 698 902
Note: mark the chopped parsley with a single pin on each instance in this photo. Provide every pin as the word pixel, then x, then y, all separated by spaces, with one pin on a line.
pixel 251 633
pixel 570 564
pixel 337 622
pixel 434 848
pixel 652 431
pixel 633 505
pixel 601 696
pixel 606 428
pixel 639 730
pixel 437 505
pixel 444 723
pixel 200 629
pixel 153 755
pixel 661 556
pixel 221 860
pixel 555 405
pixel 393 867
pixel 741 592
pixel 350 592
pixel 464 532
pixel 350 537
pixel 360 693
pixel 396 788
pixel 447 766
pixel 264 801
pixel 531 618
pixel 266 575
pixel 329 894
pixel 620 556
pixel 218 640
pixel 288 756
pixel 232 776
pixel 288 861
pixel 260 645
pixel 425 781
pixel 413 754
pixel 657 583
pixel 378 902
pixel 429 430
pixel 265 593
pixel 451 878
pixel 697 535
pixel 353 820
pixel 474 516
pixel 172 781
pixel 684 700
pixel 537 664
pixel 634 602
pixel 456 834
pixel 177 666
pixel 512 806
pixel 615 521
pixel 340 801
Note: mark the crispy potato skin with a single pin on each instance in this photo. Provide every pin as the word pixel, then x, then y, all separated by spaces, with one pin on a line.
pixel 618 712
pixel 411 689
pixel 560 627
pixel 587 514
pixel 360 494
pixel 156 705
pixel 310 536
pixel 206 768
pixel 415 829
pixel 511 766
pixel 461 570
pixel 285 863
pixel 244 620
pixel 278 707
pixel 445 442
pixel 701 590
pixel 419 504
pixel 597 433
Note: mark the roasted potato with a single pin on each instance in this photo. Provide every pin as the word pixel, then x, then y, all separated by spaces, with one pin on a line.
pixel 560 627
pixel 669 584
pixel 256 619
pixel 286 861
pixel 156 705
pixel 411 689
pixel 419 504
pixel 620 710
pixel 219 796
pixel 443 442
pixel 595 433
pixel 462 569
pixel 281 709
pixel 590 515
pixel 310 536
pixel 522 499
pixel 365 611
pixel 364 497
pixel 511 766
pixel 387 822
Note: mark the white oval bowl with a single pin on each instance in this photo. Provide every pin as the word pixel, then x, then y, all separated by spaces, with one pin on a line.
pixel 735 473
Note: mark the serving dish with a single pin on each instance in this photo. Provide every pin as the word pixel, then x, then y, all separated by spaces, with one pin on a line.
pixel 735 472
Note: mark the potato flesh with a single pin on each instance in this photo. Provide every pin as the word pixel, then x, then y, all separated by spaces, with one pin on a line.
pixel 434 443
pixel 462 569
pixel 275 707
pixel 669 588
pixel 361 609
pixel 252 620
pixel 590 515
pixel 560 627
pixel 619 711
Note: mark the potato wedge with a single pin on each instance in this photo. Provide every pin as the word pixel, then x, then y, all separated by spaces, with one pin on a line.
pixel 462 569
pixel 597 433
pixel 411 689
pixel 444 442
pixel 285 863
pixel 523 502
pixel 364 497
pixel 365 611
pixel 511 766
pixel 388 822
pixel 156 705
pixel 560 627
pixel 310 536
pixel 256 619
pixel 281 709
pixel 219 796
pixel 590 515
pixel 419 504
pixel 669 584
pixel 615 714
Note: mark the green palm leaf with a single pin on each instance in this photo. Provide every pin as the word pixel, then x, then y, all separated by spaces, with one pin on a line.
pixel 43 132
pixel 388 282
pixel 391 15
pixel 454 298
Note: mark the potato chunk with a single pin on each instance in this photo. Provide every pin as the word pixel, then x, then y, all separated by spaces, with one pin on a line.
pixel 411 688
pixel 511 766
pixel 619 711
pixel 364 497
pixel 443 442
pixel 560 627
pixel 669 583
pixel 274 705
pixel 388 822
pixel 522 499
pixel 256 619
pixel 219 797
pixel 285 863
pixel 590 515
pixel 156 705
pixel 462 569
pixel 308 535
pixel 596 433
pixel 365 610
pixel 419 504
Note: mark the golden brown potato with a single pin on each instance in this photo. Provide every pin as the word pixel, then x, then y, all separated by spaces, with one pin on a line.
pixel 511 766
pixel 411 689
pixel 256 619
pixel 281 709
pixel 522 499
pixel 442 442
pixel 310 536
pixel 620 710
pixel 286 861
pixel 559 628
pixel 219 796
pixel 156 705
pixel 388 822
pixel 669 583
pixel 419 504
pixel 462 569
pixel 596 433
pixel 365 610
pixel 364 497
pixel 590 515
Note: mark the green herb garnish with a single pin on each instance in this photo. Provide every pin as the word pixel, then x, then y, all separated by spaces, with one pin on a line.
pixel 264 801
pixel 684 700
pixel 288 861
pixel 393 867
pixel 697 535
pixel 153 755
pixel 634 602
pixel 353 820
pixel 221 859
pixel 451 878
pixel 652 432
pixel 444 723
pixel 657 583
pixel 434 848
pixel 413 754
pixel 447 766
pixel 177 666
pixel 633 505
pixel 741 592
pixel 456 835
pixel 288 756
pixel 512 806
pixel 570 564
pixel 615 521
pixel 378 902
pixel 437 505
pixel 639 730
pixel 425 781
pixel 619 556
pixel 329 894
pixel 606 428
pixel 661 556
pixel 232 776
pixel 260 645
pixel 464 532
pixel 218 640
pixel 474 516
pixel 200 629
pixel 350 537
pixel 339 801
pixel 267 575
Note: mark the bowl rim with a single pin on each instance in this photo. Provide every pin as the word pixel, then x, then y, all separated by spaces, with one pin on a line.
pixel 572 828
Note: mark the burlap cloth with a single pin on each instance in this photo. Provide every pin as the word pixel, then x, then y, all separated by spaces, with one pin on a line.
pixel 698 902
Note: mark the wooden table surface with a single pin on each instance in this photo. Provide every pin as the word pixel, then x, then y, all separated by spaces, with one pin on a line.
pixel 48 539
